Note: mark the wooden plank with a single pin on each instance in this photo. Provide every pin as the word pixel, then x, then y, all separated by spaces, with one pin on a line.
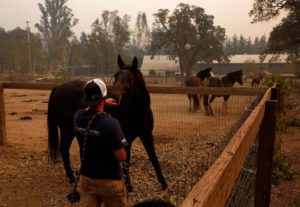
pixel 31 86
pixel 3 137
pixel 205 90
pixel 155 89
pixel 265 155
pixel 216 185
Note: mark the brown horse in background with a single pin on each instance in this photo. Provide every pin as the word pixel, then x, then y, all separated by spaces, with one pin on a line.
pixel 227 81
pixel 197 81
pixel 258 77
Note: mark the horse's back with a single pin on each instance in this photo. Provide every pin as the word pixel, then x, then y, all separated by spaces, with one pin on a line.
pixel 67 100
pixel 193 81
pixel 212 82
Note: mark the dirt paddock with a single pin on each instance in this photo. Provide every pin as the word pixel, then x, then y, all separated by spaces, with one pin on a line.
pixel 27 178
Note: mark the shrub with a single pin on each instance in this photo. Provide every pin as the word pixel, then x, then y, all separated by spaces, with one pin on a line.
pixel 285 88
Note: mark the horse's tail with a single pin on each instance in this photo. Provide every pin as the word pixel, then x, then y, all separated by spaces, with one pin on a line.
pixel 52 128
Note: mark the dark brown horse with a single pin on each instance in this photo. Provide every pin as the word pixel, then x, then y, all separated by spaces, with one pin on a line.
pixel 197 81
pixel 227 81
pixel 133 112
pixel 258 77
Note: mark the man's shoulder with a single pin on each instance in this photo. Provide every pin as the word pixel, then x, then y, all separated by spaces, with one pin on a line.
pixel 79 113
pixel 108 119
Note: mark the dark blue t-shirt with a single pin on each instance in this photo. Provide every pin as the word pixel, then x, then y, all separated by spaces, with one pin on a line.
pixel 105 136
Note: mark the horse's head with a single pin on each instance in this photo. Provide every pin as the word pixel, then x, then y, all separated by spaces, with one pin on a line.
pixel 206 73
pixel 127 78
pixel 239 76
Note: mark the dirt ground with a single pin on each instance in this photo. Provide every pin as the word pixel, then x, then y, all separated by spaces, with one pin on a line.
pixel 27 178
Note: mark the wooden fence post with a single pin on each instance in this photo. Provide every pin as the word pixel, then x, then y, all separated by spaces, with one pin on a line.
pixel 3 140
pixel 265 155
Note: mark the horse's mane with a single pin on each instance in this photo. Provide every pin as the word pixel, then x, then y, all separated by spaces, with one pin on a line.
pixel 201 74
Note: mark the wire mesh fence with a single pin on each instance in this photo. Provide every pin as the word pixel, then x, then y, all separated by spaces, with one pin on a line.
pixel 183 184
pixel 186 142
pixel 243 193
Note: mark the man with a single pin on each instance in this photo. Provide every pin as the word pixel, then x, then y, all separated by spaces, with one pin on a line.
pixel 103 149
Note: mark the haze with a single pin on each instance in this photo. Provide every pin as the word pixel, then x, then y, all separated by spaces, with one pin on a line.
pixel 229 14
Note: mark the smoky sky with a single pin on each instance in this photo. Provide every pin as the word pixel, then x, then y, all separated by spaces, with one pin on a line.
pixel 229 14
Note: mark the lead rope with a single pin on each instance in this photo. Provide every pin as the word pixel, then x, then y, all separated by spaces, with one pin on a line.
pixel 74 196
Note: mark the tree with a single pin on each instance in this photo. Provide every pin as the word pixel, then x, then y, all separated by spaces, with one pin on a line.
pixel 14 50
pixel 108 38
pixel 264 10
pixel 3 47
pixel 242 45
pixel 285 37
pixel 249 48
pixel 74 52
pixel 140 38
pixel 188 34
pixel 55 26
pixel 141 34
pixel 250 67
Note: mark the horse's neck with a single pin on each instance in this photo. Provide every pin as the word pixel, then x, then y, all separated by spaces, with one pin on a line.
pixel 139 93
pixel 228 81
pixel 201 76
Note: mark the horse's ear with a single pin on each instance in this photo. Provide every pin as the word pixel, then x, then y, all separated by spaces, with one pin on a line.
pixel 134 63
pixel 120 62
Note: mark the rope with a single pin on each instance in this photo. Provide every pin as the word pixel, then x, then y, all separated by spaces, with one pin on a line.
pixel 74 197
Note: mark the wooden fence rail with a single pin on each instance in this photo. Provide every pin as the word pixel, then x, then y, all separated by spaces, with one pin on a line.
pixel 155 89
pixel 216 185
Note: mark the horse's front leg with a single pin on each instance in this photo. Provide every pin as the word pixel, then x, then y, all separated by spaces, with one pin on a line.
pixel 200 105
pixel 211 110
pixel 225 104
pixel 206 104
pixel 126 166
pixel 190 102
pixel 64 147
pixel 148 143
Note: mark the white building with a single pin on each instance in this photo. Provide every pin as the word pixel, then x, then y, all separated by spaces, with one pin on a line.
pixel 160 66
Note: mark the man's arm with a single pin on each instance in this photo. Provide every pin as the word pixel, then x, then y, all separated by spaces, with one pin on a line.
pixel 120 154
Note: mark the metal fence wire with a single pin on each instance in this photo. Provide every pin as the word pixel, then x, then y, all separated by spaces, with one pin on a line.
pixel 243 192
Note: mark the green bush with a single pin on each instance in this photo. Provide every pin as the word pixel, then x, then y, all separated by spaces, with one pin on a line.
pixel 282 169
pixel 294 123
pixel 285 88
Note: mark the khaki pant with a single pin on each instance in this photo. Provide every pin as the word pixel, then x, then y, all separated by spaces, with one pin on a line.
pixel 97 191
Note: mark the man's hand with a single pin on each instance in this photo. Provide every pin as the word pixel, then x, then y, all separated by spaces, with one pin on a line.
pixel 110 102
